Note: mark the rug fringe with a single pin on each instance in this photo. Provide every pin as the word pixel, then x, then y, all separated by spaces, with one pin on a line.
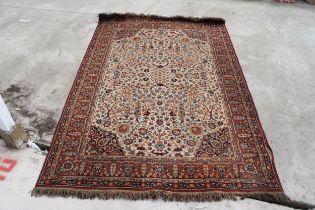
pixel 124 16
pixel 164 195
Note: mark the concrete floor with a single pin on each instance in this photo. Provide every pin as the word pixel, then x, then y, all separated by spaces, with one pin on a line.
pixel 43 43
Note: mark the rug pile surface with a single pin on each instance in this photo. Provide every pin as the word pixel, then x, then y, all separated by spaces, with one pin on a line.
pixel 160 109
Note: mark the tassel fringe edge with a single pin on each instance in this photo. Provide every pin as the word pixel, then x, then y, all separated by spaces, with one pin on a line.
pixel 119 16
pixel 164 195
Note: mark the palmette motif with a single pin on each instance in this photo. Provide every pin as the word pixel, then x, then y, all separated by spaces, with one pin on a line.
pixel 160 105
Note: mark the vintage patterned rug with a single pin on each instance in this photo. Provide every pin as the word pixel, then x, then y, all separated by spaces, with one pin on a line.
pixel 160 109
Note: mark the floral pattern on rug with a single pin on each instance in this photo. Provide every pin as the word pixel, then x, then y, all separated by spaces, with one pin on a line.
pixel 161 97
pixel 160 109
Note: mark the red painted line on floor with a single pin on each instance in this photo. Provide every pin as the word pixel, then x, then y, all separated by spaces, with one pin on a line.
pixel 6 165
pixel 11 163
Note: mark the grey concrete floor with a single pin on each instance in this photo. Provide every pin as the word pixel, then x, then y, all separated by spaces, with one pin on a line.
pixel 43 42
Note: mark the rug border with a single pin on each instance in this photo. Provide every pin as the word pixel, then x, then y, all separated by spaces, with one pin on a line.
pixel 156 193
